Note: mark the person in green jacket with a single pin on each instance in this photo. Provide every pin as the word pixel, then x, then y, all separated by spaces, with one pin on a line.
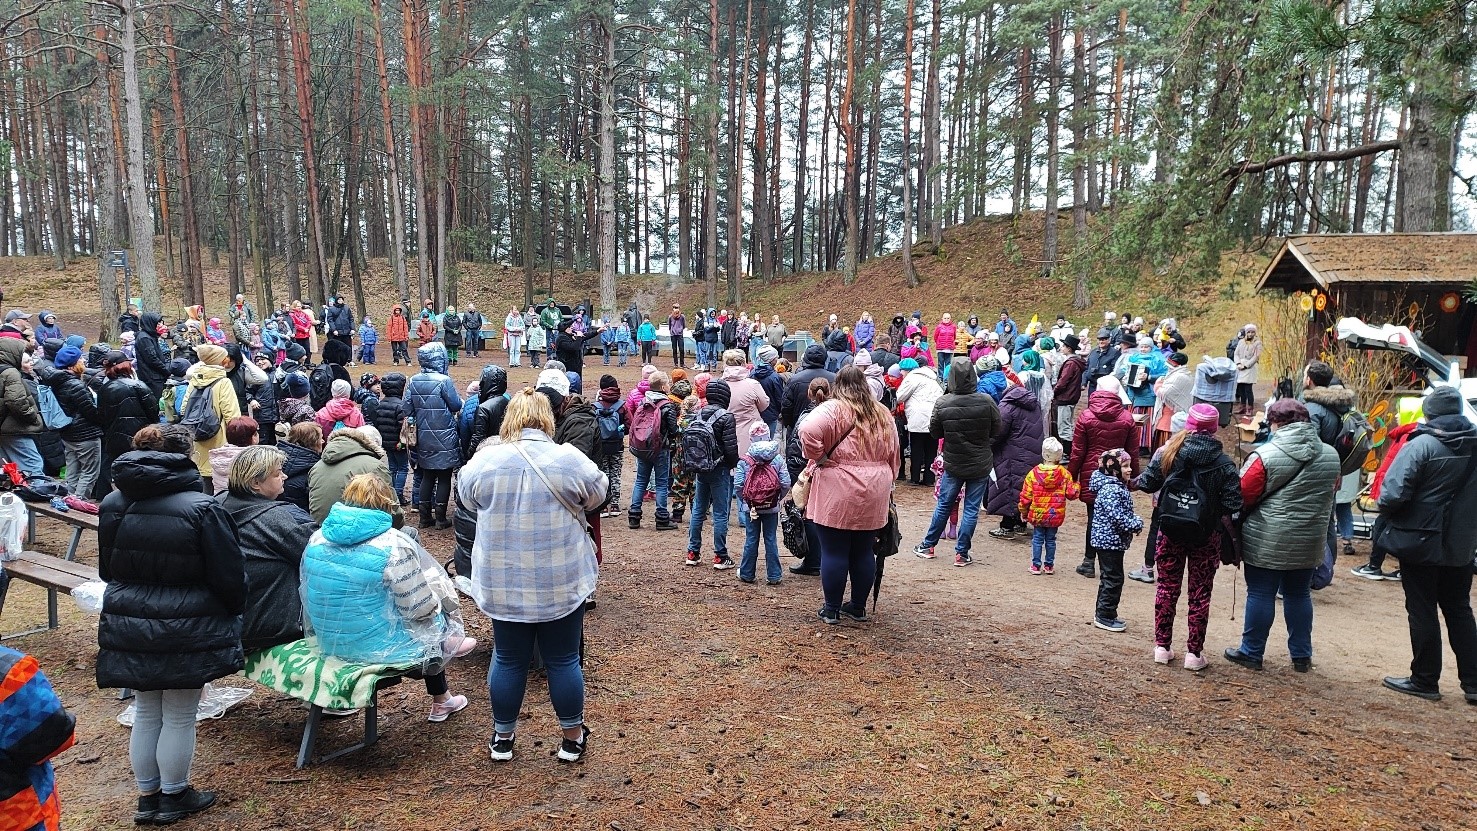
pixel 549 317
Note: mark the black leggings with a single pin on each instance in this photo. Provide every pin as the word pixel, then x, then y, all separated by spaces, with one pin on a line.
pixel 435 492
pixel 436 684
pixel 1245 396
pixel 924 448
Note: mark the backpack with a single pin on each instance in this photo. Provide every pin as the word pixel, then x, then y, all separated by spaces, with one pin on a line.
pixel 320 386
pixel 700 450
pixel 762 487
pixel 199 414
pixel 609 420
pixel 646 429
pixel 52 414
pixel 1352 443
pixel 1185 512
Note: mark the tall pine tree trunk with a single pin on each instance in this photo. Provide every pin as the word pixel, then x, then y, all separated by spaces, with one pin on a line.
pixel 850 188
pixel 392 158
pixel 910 271
pixel 140 217
pixel 1053 141
pixel 605 175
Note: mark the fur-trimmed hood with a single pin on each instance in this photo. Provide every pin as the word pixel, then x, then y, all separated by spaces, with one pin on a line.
pixel 1338 398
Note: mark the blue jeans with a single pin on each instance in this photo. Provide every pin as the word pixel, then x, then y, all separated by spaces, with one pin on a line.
pixel 974 496
pixel 846 553
pixel 514 345
pixel 767 524
pixel 1043 538
pixel 399 461
pixel 658 469
pixel 559 646
pixel 1262 585
pixel 1343 515
pixel 711 490
pixel 22 450
pixel 605 351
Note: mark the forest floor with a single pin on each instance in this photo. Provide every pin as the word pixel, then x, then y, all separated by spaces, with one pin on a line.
pixel 978 697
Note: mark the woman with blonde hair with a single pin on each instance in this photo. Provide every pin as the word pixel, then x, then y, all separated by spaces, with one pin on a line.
pixel 852 445
pixel 372 595
pixel 533 565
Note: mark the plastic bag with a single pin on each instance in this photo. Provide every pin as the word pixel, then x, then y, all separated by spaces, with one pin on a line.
pixel 214 702
pixel 89 596
pixel 13 522
pixel 381 601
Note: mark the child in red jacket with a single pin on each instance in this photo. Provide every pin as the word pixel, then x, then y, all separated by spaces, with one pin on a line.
pixel 1043 504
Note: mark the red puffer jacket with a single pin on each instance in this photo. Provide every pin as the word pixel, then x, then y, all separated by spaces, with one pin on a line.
pixel 1105 425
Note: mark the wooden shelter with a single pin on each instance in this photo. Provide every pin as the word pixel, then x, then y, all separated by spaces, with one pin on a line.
pixel 1415 280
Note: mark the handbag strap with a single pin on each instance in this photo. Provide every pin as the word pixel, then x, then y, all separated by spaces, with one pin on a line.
pixel 578 514
pixel 826 456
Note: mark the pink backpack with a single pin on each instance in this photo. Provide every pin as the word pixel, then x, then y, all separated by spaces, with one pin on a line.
pixel 646 429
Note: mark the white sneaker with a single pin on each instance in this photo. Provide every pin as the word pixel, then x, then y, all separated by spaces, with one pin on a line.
pixel 1195 663
pixel 440 710
pixel 1162 655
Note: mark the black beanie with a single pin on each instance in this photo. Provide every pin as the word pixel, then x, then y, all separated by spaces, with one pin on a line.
pixel 719 394
pixel 608 382
pixel 1442 401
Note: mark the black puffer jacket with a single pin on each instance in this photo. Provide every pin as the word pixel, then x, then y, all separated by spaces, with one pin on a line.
pixel 77 401
pixel 340 320
pixel 151 364
pixel 1326 409
pixel 1211 468
pixel 176 591
pixel 488 419
pixel 387 418
pixel 300 461
pixel 812 366
pixel 273 536
pixel 968 421
pixel 1424 490
pixel 265 395
pixel 569 348
pixel 125 406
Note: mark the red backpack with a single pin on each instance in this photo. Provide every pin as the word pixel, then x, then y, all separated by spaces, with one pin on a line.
pixel 761 490
pixel 646 429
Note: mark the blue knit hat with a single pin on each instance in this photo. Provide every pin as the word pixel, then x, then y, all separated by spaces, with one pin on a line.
pixel 297 386
pixel 76 340
pixel 67 356
pixel 907 364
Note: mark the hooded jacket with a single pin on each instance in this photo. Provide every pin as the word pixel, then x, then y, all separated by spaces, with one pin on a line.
pixel 221 459
pixel 1067 390
pixel 897 330
pixel 865 332
pixel 918 394
pixel 171 617
pixel 1017 449
pixel 762 452
pixel 272 536
pixel 1211 467
pixel 78 402
pixel 578 427
pixel 339 410
pixel 1292 477
pixel 45 332
pixel 397 330
pixel 347 454
pixel 300 461
pixel 773 385
pixel 19 415
pixel 1326 408
pixel 1044 495
pixel 432 400
pixel 1113 522
pixel 838 352
pixel 451 330
pixel 967 421
pixel 1103 426
pixel 387 416
pixel 223 395
pixel 1424 489
pixel 339 321
pixel 364 593
pixel 812 366
pixel 747 402
pixel 569 348
pixel 492 389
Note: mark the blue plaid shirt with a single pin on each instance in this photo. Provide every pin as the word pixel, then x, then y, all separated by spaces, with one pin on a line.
pixel 533 560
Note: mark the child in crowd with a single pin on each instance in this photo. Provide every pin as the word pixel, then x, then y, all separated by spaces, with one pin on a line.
pixel 172 402
pixel 1043 504
pixel 761 483
pixel 622 340
pixel 646 336
pixel 612 420
pixel 369 337
pixel 683 484
pixel 538 341
pixel 951 530
pixel 1112 528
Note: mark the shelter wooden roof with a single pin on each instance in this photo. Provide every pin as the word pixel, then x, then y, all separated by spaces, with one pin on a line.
pixel 1442 259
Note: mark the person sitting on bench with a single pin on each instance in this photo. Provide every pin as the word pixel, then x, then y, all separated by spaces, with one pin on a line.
pixel 372 595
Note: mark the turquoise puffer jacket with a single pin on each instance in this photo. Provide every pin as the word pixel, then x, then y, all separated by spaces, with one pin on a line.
pixel 347 599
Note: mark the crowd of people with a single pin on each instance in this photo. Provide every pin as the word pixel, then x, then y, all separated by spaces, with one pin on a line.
pixel 251 496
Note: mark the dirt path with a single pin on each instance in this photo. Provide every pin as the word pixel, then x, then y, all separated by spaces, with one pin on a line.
pixel 980 697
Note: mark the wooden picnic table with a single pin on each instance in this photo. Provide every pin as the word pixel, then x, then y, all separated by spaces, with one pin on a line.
pixel 51 573
pixel 79 521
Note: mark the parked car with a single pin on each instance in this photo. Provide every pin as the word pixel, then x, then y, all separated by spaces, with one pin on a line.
pixel 1430 365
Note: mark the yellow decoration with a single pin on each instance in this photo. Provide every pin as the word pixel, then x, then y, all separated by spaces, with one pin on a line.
pixel 1371 462
pixel 1305 303
pixel 1321 302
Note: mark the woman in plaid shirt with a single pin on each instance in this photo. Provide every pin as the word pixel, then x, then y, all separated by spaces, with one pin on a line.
pixel 533 564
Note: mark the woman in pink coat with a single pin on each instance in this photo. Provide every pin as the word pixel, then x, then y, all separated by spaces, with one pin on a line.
pixel 748 400
pixel 852 444
pixel 945 339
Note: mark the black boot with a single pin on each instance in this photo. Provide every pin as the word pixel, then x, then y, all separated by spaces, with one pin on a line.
pixel 174 807
pixel 442 523
pixel 426 515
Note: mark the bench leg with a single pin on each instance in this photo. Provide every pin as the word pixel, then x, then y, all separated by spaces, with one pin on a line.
pixel 52 619
pixel 310 736
pixel 72 547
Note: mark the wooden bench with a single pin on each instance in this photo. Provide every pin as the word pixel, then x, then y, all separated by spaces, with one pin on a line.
pixel 79 521
pixel 51 573
pixel 306 753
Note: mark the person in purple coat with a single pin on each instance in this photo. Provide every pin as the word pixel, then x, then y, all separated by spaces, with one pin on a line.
pixel 1017 449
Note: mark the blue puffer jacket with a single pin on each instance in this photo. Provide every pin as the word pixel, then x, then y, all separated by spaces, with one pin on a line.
pixel 993 384
pixel 346 601
pixel 431 398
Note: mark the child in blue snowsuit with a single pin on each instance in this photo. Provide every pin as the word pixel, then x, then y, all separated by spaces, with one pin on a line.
pixel 369 337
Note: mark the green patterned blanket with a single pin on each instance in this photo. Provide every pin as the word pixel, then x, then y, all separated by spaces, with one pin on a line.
pixel 298 669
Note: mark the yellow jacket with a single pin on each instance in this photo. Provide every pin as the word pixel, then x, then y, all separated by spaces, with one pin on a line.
pixel 226 406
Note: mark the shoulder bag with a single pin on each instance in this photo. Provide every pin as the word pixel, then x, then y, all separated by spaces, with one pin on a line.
pixel 800 493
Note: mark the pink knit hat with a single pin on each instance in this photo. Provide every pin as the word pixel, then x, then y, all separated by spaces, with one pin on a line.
pixel 1203 419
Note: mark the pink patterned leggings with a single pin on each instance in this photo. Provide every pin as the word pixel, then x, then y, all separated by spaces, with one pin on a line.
pixel 1170 559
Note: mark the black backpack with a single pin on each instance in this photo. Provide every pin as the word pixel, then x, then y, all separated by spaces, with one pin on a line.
pixel 1186 515
pixel 1353 442
pixel 200 415
pixel 700 450
pixel 320 386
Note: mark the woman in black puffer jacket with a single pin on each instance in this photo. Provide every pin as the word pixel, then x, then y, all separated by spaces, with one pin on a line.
pixel 125 405
pixel 304 447
pixel 171 619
